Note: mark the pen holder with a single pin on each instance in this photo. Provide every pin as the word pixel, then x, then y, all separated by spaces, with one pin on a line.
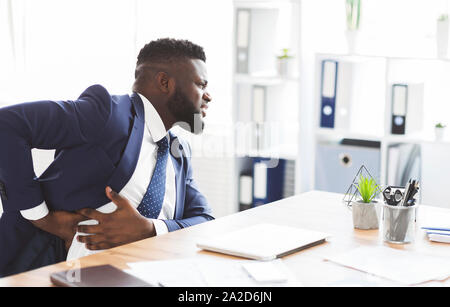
pixel 399 223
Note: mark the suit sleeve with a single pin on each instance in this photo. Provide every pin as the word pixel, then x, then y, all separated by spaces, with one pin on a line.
pixel 44 125
pixel 196 209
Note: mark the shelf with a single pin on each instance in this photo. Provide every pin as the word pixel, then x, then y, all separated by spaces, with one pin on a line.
pixel 264 79
pixel 284 152
pixel 331 134
pixel 263 4
pixel 386 57
pixel 341 134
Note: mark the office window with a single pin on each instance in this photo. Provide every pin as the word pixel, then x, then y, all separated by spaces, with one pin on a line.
pixel 54 49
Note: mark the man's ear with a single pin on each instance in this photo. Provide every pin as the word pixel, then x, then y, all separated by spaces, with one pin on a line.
pixel 165 83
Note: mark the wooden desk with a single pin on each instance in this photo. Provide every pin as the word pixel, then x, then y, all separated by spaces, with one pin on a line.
pixel 313 210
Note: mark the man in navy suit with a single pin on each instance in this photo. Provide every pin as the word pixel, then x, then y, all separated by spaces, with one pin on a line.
pixel 119 175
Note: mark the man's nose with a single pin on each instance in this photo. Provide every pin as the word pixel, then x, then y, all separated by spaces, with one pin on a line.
pixel 207 97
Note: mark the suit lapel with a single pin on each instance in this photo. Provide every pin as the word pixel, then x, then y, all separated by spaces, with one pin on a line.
pixel 128 162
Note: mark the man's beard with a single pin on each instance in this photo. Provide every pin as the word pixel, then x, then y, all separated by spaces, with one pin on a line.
pixel 185 113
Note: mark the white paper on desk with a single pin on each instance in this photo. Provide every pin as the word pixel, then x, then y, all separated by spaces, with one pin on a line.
pixel 406 267
pixel 204 273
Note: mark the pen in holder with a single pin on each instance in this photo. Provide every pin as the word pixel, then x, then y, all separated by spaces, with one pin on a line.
pixel 399 213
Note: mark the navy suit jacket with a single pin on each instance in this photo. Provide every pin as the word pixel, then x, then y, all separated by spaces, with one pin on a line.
pixel 97 140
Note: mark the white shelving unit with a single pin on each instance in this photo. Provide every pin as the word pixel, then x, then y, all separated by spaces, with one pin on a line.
pixel 392 69
pixel 270 132
pixel 301 108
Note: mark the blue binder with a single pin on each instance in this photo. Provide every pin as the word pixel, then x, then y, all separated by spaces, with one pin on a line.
pixel 268 182
pixel 328 87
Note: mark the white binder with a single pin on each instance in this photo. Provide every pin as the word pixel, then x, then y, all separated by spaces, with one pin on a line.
pixel 256 41
pixel 242 39
pixel 245 191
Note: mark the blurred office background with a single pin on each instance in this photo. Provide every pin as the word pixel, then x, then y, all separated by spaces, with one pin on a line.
pixel 304 92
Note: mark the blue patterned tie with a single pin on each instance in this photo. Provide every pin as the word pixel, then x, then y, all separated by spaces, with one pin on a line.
pixel 151 203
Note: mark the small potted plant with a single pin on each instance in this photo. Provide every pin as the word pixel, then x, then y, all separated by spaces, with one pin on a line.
pixel 439 131
pixel 286 65
pixel 442 28
pixel 353 14
pixel 365 210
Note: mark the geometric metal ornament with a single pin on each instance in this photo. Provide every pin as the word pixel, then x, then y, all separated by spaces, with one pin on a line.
pixel 352 191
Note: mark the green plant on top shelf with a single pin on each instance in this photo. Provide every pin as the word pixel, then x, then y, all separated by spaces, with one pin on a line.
pixel 353 12
pixel 285 54
pixel 443 17
pixel 367 188
pixel 440 125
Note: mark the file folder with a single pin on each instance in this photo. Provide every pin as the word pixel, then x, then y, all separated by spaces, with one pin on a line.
pixel 347 94
pixel 245 192
pixel 399 101
pixel 259 116
pixel 404 162
pixel 328 93
pixel 407 108
pixel 256 35
pixel 268 182
pixel 242 39
pixel 259 104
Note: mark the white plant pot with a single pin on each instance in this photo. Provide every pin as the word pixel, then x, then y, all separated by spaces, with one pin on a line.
pixel 365 216
pixel 442 31
pixel 439 133
pixel 286 67
pixel 352 40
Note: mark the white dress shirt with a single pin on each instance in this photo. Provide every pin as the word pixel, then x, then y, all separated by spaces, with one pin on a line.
pixel 136 187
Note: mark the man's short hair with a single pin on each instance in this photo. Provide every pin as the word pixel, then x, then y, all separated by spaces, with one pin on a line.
pixel 166 50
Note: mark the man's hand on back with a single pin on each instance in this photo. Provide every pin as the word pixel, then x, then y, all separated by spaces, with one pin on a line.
pixel 62 224
pixel 125 225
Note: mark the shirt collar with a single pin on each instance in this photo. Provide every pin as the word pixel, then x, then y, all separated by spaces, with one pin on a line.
pixel 153 121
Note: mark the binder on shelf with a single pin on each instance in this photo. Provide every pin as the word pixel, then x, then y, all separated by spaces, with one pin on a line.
pixel 259 104
pixel 342 90
pixel 242 39
pixel 256 40
pixel 407 108
pixel 399 101
pixel 268 182
pixel 404 162
pixel 245 192
pixel 289 179
pixel 258 116
pixel 328 93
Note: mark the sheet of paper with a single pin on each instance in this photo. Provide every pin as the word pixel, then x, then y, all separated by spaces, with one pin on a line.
pixel 265 271
pixel 174 273
pixel 406 267
pixel 208 272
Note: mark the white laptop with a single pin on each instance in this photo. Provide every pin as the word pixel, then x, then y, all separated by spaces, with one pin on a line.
pixel 263 241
